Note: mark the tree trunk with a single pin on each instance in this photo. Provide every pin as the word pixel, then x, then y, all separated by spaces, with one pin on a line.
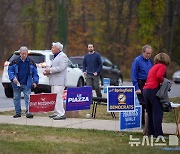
pixel 171 15
pixel 173 25
pixel 129 17
pixel 108 26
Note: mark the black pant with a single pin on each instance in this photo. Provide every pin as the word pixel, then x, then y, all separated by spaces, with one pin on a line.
pixel 141 84
pixel 155 112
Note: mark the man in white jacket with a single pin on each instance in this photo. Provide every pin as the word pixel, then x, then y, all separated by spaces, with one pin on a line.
pixel 57 76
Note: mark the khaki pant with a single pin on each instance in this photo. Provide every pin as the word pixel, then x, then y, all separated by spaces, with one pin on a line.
pixel 59 109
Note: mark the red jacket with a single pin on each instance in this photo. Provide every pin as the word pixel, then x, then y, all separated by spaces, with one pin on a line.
pixel 155 76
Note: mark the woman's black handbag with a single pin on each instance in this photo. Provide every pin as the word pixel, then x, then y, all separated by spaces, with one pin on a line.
pixel 167 106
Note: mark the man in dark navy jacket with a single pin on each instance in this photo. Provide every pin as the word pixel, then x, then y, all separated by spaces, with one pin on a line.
pixel 92 66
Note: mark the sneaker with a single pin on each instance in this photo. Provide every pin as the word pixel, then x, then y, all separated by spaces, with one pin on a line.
pixel 60 117
pixel 16 116
pixel 52 115
pixel 29 116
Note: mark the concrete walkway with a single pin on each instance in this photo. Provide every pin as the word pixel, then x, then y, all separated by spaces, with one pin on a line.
pixel 110 125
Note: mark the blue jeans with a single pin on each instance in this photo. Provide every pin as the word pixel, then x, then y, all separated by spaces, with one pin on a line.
pixel 17 98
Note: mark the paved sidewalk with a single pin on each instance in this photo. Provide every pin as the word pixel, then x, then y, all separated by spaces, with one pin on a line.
pixel 110 125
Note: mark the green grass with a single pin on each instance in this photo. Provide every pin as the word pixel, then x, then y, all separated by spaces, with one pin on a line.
pixel 49 140
pixel 34 139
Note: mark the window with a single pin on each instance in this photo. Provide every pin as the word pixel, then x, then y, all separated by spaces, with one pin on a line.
pixel 78 61
pixel 107 63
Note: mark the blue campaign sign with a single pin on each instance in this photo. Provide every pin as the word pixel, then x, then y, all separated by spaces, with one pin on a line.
pixel 131 119
pixel 106 83
pixel 136 101
pixel 79 98
pixel 120 98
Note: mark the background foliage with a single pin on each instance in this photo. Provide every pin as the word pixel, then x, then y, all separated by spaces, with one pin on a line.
pixel 117 28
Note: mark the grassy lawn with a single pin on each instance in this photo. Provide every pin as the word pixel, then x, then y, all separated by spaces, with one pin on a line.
pixel 32 139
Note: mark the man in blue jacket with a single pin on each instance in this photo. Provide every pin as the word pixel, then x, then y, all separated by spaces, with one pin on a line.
pixel 139 72
pixel 23 75
pixel 92 66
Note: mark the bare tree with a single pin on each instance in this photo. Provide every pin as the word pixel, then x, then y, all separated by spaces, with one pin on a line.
pixel 5 7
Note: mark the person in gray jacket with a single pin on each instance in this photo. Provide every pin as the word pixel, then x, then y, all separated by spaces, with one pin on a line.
pixel 57 76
